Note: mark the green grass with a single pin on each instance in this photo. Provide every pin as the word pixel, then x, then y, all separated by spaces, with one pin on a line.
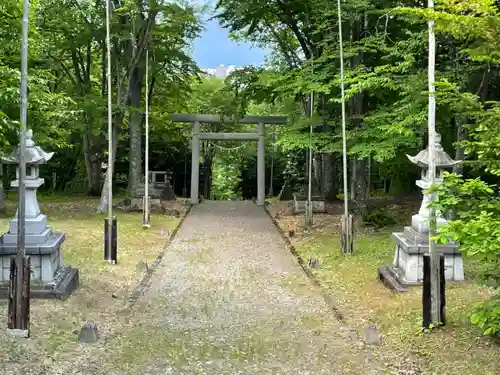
pixel 353 281
pixel 103 287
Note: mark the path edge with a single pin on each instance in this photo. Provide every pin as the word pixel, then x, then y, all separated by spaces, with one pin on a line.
pixel 138 291
pixel 356 337
pixel 307 270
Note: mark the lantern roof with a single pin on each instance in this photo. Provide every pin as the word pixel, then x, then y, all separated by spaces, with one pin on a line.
pixel 33 154
pixel 443 160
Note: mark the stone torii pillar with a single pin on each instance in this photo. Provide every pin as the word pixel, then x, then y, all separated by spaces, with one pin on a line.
pixel 195 162
pixel 261 165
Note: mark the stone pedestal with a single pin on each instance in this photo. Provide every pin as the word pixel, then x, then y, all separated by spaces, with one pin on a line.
pixel 407 267
pixel 50 278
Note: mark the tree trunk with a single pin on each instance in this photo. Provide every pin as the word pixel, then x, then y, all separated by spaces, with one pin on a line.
pixel 135 133
pixel 92 160
pixel 369 177
pixel 358 179
pixel 459 150
pixel 353 178
pixel 328 176
pixel 318 170
pixel 359 190
pixel 2 193
pixel 103 204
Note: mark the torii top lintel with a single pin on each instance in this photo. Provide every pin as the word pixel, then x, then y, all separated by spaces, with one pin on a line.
pixel 215 119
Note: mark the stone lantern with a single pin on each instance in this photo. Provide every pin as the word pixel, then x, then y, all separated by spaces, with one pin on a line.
pixel 50 277
pixel 413 242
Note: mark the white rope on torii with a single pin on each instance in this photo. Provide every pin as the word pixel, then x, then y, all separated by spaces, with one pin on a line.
pixel 228 148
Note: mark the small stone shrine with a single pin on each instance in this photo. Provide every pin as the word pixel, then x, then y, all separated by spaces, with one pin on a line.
pixel 50 277
pixel 159 189
pixel 413 242
pixel 159 186
pixel 317 199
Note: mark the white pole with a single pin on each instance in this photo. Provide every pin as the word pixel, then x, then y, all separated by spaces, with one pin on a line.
pixel 146 157
pixel 309 211
pixel 434 256
pixel 110 129
pixel 21 211
pixel 344 141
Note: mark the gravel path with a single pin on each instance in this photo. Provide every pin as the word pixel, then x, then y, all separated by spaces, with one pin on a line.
pixel 229 298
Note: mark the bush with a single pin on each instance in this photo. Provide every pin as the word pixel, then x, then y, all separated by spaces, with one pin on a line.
pixel 474 209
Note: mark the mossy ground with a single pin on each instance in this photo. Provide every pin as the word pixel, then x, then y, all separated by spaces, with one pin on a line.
pixel 103 289
pixel 352 281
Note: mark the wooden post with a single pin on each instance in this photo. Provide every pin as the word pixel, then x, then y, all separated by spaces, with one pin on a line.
pixel 19 314
pixel 427 293
pixel 346 236
pixel 111 247
pixel 146 209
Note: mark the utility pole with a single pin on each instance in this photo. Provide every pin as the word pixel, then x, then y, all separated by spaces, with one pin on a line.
pixel 433 254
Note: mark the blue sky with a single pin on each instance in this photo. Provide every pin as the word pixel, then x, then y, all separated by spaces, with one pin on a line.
pixel 214 48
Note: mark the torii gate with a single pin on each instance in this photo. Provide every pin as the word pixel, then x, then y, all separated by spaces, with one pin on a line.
pixel 258 136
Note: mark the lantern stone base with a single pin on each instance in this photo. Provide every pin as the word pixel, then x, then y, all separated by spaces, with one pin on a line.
pixel 50 278
pixel 64 282
pixel 407 267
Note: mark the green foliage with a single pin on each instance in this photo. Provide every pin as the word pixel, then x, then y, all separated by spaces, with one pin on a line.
pixel 486 316
pixel 379 218
pixel 474 207
pixel 226 176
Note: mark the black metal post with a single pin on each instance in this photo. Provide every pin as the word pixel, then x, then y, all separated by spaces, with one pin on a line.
pixel 426 292
pixel 111 255
pixel 442 290
pixel 11 315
